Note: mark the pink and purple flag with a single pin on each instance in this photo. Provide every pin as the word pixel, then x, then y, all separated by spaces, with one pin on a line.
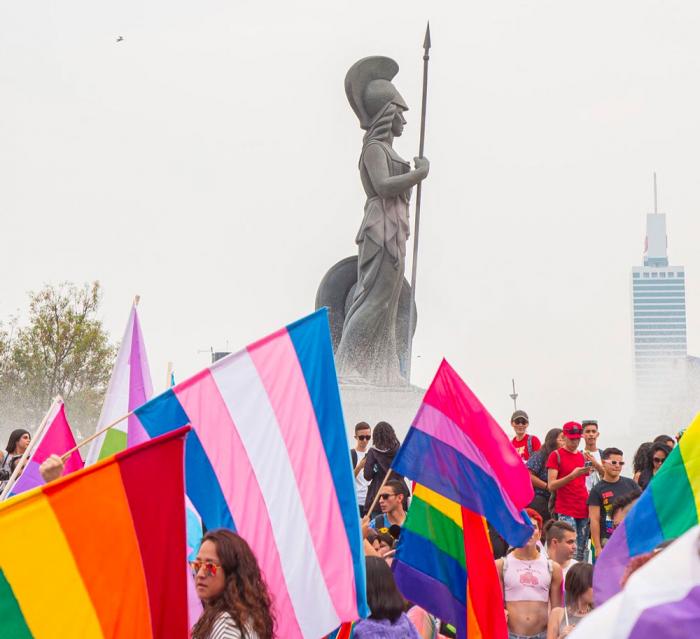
pixel 56 438
pixel 456 449
pixel 129 387
pixel 267 457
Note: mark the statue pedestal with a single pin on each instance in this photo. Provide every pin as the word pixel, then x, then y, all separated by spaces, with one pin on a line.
pixel 373 404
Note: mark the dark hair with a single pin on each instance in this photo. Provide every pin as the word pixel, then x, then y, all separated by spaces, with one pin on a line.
pixel 384 599
pixel 386 538
pixel 399 488
pixel 550 442
pixel 579 578
pixel 362 426
pixel 385 437
pixel 641 458
pixel 555 529
pixel 625 500
pixel 245 596
pixel 611 451
pixel 662 439
pixel 662 448
pixel 589 422
pixel 15 436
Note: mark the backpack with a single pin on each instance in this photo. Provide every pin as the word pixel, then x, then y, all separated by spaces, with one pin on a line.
pixel 529 446
pixel 553 493
pixel 353 456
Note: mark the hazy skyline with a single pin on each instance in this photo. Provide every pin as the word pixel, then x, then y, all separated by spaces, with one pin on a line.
pixel 208 162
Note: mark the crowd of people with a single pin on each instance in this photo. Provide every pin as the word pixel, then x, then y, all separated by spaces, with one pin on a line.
pixel 580 497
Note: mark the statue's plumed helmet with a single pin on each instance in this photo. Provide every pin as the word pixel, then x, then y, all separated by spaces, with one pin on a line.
pixel 369 88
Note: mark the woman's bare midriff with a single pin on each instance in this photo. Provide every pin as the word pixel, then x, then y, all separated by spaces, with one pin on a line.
pixel 527 617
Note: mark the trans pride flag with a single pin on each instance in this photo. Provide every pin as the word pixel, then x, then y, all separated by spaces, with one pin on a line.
pixel 56 438
pixel 268 458
pixel 667 508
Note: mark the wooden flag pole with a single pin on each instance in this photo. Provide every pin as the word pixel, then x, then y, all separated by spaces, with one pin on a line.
pixel 30 449
pixel 379 490
pixel 87 440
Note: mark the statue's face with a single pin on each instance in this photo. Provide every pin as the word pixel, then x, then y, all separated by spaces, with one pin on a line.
pixel 398 124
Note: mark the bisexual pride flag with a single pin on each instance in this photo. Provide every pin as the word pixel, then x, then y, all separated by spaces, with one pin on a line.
pixel 267 457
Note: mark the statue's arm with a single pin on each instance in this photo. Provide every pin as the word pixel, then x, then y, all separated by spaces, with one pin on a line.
pixel 387 185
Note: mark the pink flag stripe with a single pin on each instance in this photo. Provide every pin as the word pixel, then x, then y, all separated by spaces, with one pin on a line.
pixel 279 369
pixel 451 396
pixel 254 418
pixel 56 439
pixel 202 401
pixel 431 421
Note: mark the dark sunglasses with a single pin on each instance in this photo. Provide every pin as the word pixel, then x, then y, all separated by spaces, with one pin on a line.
pixel 520 421
pixel 210 568
pixel 364 438
pixel 659 460
pixel 615 463
pixel 386 495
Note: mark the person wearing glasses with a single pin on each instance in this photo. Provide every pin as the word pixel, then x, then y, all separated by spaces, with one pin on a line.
pixel 228 580
pixel 525 445
pixel 600 501
pixel 363 435
pixel 655 458
pixel 391 503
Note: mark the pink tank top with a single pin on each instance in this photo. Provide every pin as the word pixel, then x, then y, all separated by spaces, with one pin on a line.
pixel 526 579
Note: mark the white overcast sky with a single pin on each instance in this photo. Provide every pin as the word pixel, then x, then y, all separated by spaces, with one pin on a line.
pixel 209 163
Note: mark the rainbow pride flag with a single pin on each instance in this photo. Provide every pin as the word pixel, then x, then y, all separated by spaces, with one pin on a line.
pixel 99 553
pixel 56 438
pixel 268 457
pixel 667 509
pixel 444 563
pixel 455 448
pixel 129 387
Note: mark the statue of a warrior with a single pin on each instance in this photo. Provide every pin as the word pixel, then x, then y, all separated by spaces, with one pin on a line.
pixel 367 352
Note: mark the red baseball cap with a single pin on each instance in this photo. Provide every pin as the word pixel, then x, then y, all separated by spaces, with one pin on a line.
pixel 572 430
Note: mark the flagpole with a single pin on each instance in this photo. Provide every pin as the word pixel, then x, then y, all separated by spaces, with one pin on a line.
pixel 419 192
pixel 29 450
pixel 102 431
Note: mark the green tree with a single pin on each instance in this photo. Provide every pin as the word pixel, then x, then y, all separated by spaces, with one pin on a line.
pixel 63 350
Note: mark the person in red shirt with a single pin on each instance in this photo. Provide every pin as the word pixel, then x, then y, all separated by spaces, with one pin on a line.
pixel 567 470
pixel 523 443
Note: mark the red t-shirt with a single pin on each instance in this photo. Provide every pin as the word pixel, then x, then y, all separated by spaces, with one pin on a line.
pixel 521 446
pixel 571 499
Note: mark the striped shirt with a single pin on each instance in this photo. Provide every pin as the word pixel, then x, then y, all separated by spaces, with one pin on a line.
pixel 225 628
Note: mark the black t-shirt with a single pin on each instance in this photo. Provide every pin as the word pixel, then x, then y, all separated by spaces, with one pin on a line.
pixel 603 494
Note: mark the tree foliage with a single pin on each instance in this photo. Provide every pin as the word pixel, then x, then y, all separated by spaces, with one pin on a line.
pixel 63 350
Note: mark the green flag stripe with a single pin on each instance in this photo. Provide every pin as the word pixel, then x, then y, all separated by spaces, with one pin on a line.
pixel 427 521
pixel 673 497
pixel 115 441
pixel 12 623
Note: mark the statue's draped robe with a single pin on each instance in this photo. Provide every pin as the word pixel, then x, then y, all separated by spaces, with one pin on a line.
pixel 367 351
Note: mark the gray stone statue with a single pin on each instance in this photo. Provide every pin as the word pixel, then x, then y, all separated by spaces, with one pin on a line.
pixel 367 352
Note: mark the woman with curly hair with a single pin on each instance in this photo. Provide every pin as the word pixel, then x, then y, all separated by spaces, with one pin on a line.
pixel 232 589
pixel 378 463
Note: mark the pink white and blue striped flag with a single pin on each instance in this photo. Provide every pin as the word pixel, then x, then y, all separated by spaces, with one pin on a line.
pixel 267 457
pixel 129 387
pixel 56 438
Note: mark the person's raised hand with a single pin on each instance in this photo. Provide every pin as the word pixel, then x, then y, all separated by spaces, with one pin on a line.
pixel 51 468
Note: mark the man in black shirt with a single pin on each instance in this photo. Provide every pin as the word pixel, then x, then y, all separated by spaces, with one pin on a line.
pixel 603 494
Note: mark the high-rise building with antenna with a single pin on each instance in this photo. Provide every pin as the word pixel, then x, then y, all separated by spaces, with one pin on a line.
pixel 659 326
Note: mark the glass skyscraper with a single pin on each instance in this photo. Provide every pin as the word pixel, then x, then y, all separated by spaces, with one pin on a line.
pixel 659 326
